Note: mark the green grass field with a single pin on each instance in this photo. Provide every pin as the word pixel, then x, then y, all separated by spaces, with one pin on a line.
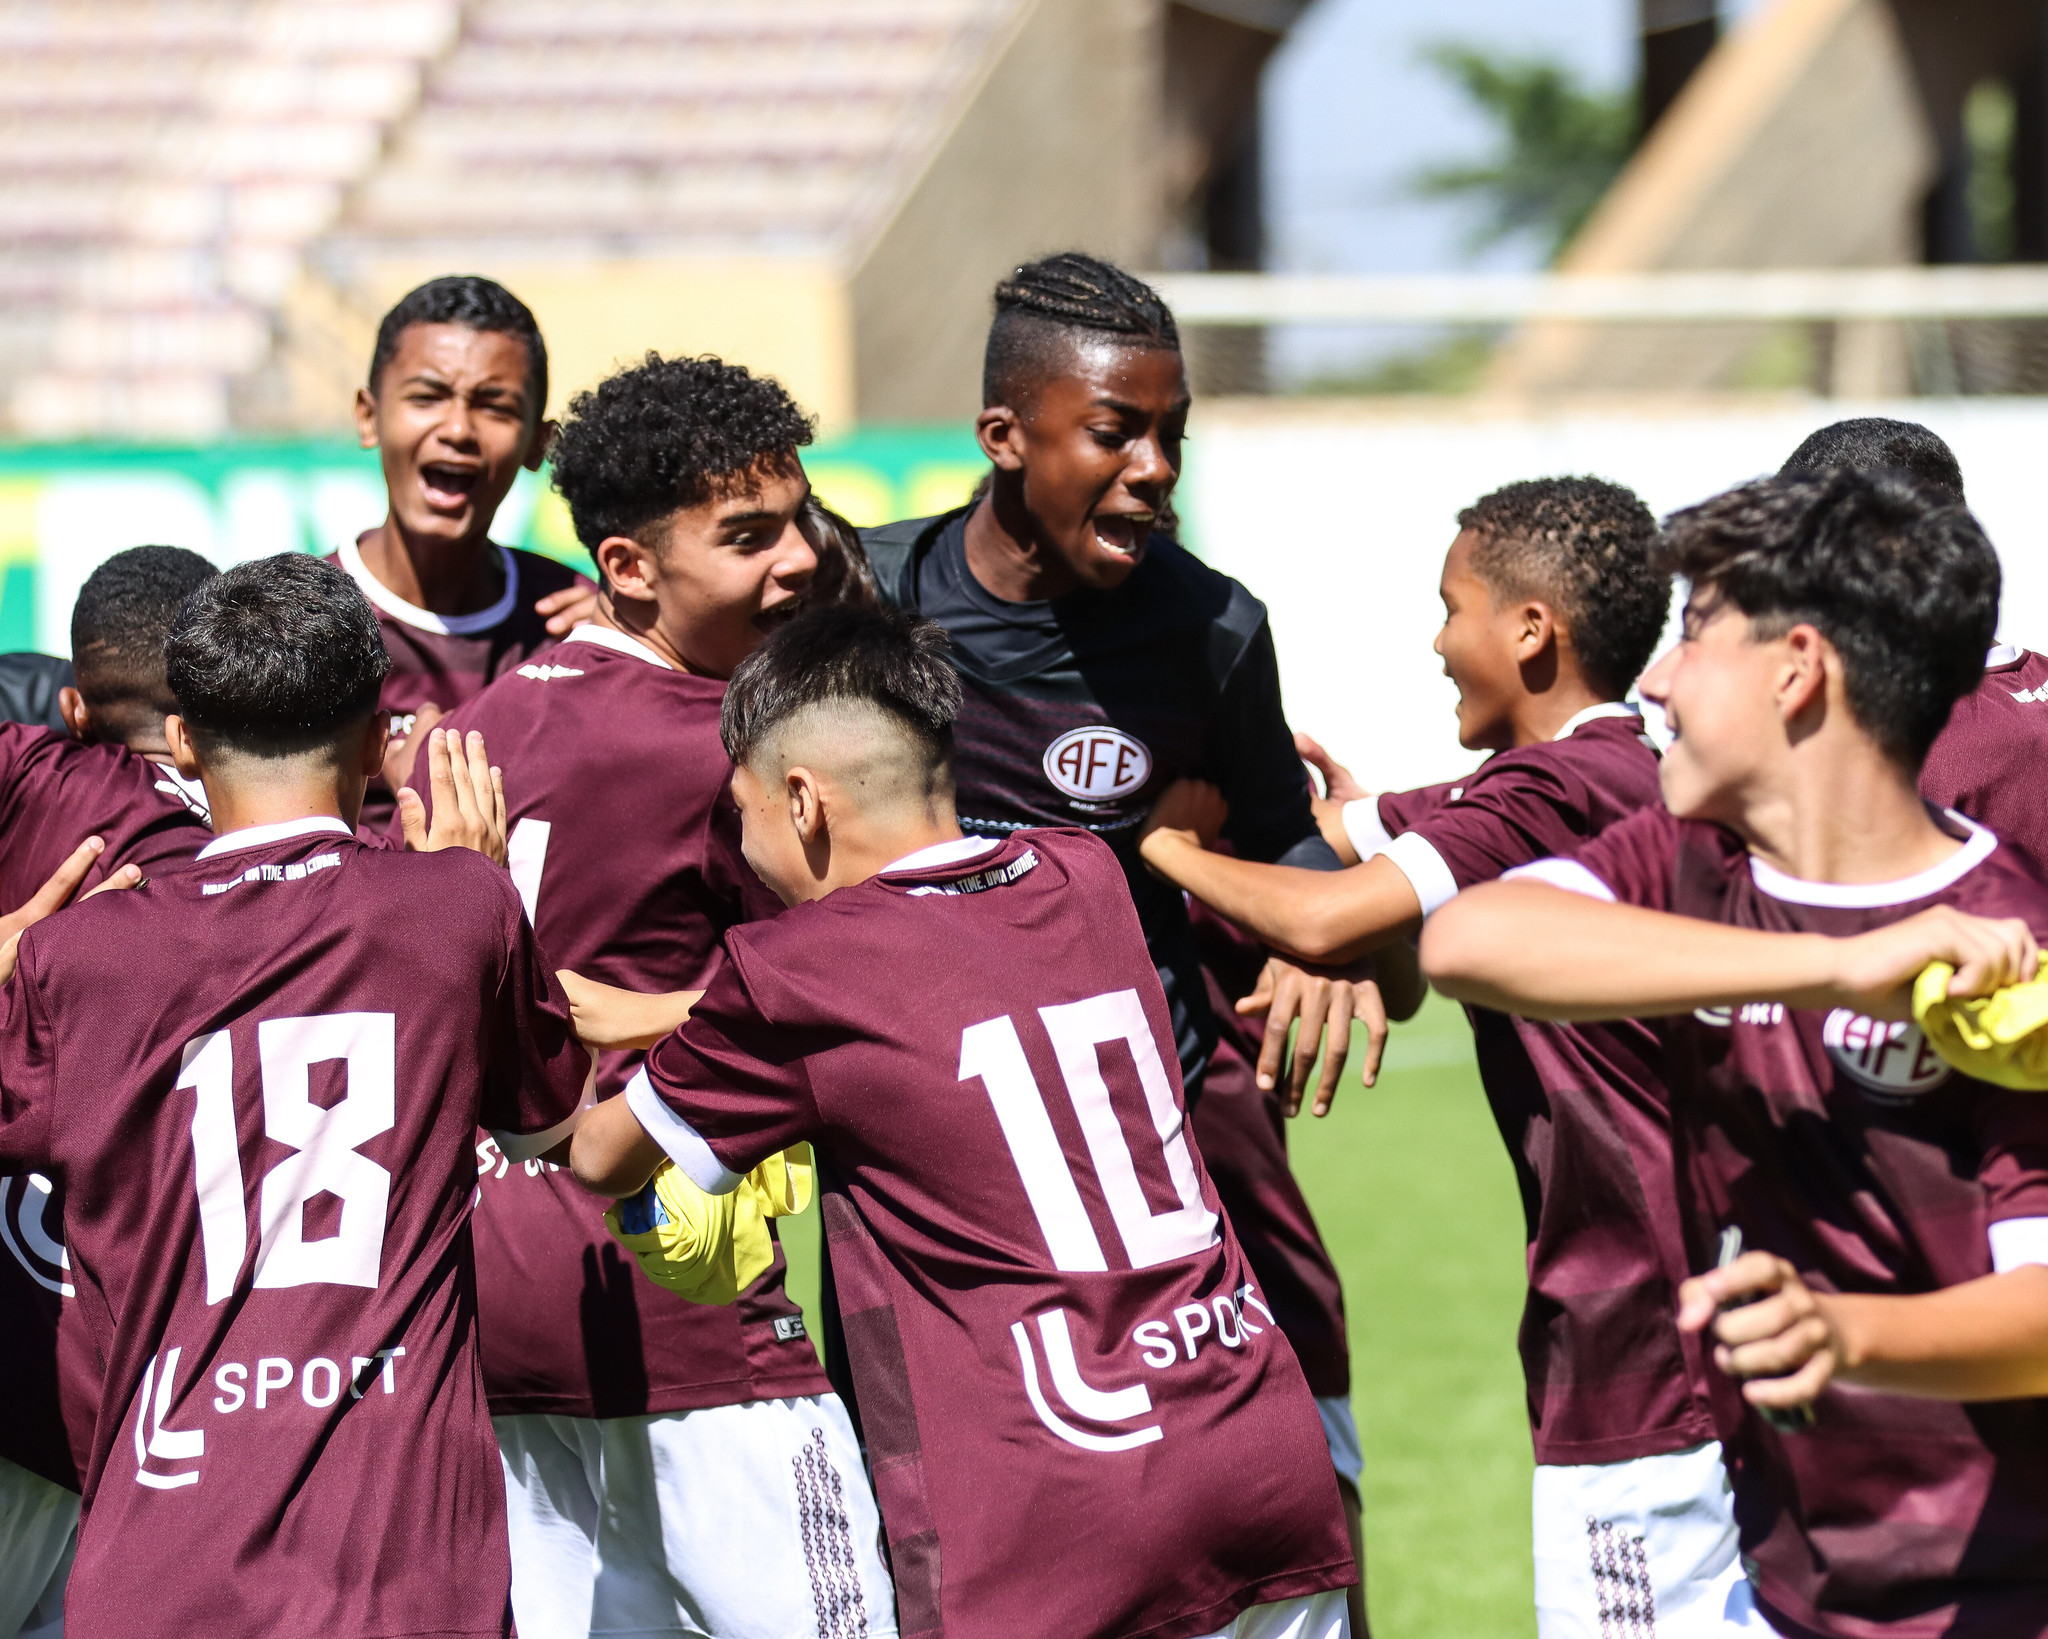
pixel 1417 1202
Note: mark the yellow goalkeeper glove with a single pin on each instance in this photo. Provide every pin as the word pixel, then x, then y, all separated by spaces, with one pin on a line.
pixel 708 1248
pixel 2001 1038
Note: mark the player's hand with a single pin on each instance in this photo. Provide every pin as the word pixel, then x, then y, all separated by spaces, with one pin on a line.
pixel 1339 787
pixel 1188 811
pixel 1874 971
pixel 567 609
pixel 1324 1004
pixel 54 894
pixel 400 755
pixel 607 1017
pixel 469 799
pixel 1771 1330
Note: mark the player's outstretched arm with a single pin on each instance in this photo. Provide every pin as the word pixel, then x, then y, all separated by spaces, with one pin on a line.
pixel 469 799
pixel 607 1017
pixel 1318 916
pixel 1986 1339
pixel 611 1153
pixel 54 894
pixel 1547 953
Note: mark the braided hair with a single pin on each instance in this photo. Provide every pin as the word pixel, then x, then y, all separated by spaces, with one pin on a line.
pixel 1042 305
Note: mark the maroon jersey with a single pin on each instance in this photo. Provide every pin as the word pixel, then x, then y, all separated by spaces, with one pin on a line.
pixel 1987 762
pixel 625 848
pixel 1844 1145
pixel 448 658
pixel 1081 1415
pixel 256 1080
pixel 1584 1111
pixel 54 793
pixel 1241 1131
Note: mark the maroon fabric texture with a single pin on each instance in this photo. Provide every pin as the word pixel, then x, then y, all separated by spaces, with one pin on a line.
pixel 259 1103
pixel 1848 1148
pixel 1242 1134
pixel 448 668
pixel 1585 1114
pixel 1988 761
pixel 54 793
pixel 982 1054
pixel 1400 810
pixel 619 758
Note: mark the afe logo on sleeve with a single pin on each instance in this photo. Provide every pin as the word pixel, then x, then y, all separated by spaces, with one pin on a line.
pixel 1889 1056
pixel 1098 764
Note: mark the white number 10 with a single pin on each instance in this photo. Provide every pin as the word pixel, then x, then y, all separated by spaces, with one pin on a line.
pixel 323 1140
pixel 993 1052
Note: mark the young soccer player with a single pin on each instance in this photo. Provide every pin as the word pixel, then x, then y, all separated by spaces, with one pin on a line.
pixel 1082 1419
pixel 455 407
pixel 663 1459
pixel 256 1078
pixel 1895 1212
pixel 1986 761
pixel 1551 607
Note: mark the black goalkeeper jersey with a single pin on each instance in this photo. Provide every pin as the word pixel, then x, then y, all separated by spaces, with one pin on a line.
pixel 1079 711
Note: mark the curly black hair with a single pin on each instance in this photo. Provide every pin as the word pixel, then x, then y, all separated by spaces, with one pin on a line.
pixel 1042 305
pixel 1584 546
pixel 276 657
pixel 665 434
pixel 475 303
pixel 1875 443
pixel 1904 586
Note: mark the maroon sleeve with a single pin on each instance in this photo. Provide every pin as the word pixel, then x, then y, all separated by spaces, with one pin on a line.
pixel 1510 813
pixel 537 1069
pixel 1633 860
pixel 735 1078
pixel 1404 810
pixel 27 1070
pixel 2013 1129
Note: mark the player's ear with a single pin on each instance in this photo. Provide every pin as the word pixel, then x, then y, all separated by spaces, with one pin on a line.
pixel 1803 673
pixel 1535 630
pixel 627 567
pixel 76 713
pixel 806 805
pixel 537 446
pixel 999 429
pixel 179 738
pixel 375 740
pixel 366 418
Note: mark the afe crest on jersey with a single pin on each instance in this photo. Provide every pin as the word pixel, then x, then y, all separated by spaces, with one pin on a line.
pixel 1098 764
pixel 22 1201
pixel 1891 1057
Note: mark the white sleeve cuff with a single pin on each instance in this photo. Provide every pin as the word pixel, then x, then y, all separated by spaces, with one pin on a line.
pixel 2018 1241
pixel 524 1146
pixel 1567 874
pixel 1425 870
pixel 1363 825
pixel 678 1138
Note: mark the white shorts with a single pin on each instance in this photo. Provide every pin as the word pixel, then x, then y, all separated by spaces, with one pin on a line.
pixel 1315 1616
pixel 38 1535
pixel 1340 1429
pixel 734 1522
pixel 1643 1549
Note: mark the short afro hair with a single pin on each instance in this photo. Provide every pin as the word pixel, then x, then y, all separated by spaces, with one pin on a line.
pixel 118 626
pixel 882 657
pixel 276 658
pixel 1585 547
pixel 1904 586
pixel 475 303
pixel 1045 306
pixel 665 434
pixel 1871 443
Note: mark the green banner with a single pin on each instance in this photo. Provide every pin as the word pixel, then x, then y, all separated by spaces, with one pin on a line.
pixel 64 509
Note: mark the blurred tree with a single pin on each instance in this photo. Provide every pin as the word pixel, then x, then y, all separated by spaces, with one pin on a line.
pixel 1560 144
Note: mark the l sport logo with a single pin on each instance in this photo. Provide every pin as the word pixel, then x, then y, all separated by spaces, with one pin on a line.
pixel 1098 764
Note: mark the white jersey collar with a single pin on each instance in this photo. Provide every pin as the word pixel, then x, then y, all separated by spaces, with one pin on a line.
pixel 609 637
pixel 382 598
pixel 1592 714
pixel 2002 654
pixel 944 853
pixel 1850 896
pixel 261 836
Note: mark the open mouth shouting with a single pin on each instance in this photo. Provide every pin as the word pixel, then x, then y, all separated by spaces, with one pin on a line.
pixel 1123 534
pixel 448 485
pixel 778 614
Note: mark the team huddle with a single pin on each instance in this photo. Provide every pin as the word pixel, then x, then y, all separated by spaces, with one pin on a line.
pixel 429 972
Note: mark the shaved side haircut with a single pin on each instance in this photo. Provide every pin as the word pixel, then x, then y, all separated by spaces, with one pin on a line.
pixel 1045 308
pixel 124 612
